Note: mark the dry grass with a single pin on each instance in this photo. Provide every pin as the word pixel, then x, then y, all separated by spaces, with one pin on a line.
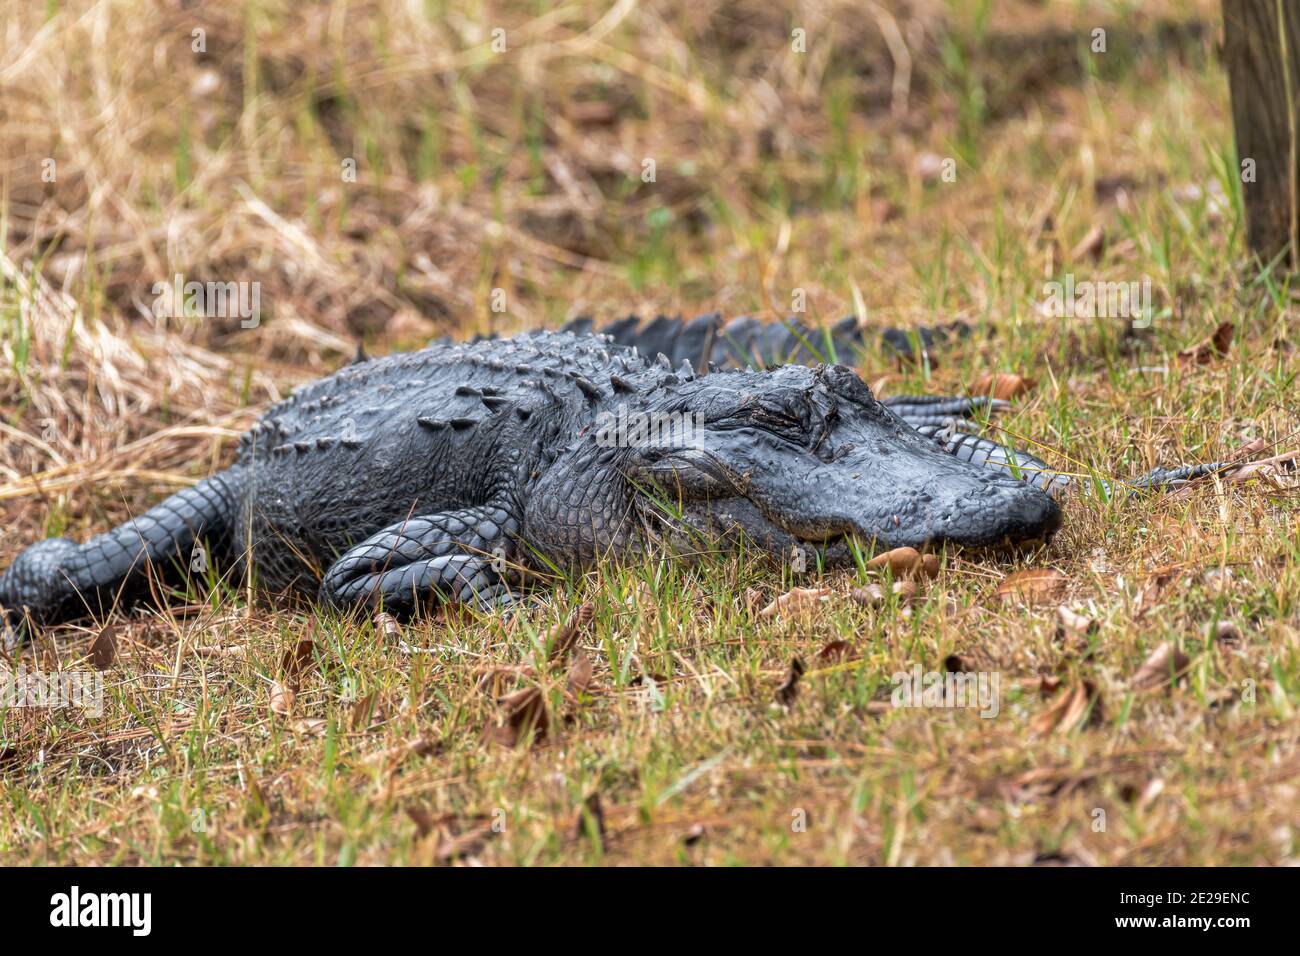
pixel 776 171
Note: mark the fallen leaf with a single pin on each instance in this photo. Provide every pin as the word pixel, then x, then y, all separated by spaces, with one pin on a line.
pixel 789 690
pixel 561 638
pixel 363 711
pixel 900 561
pixel 1073 628
pixel 833 651
pixel 297 661
pixel 1003 385
pixel 873 595
pixel 694 834
pixel 424 820
pixel 793 600
pixel 1081 701
pixel 468 844
pixel 579 676
pixel 1033 586
pixel 1165 662
pixel 387 625
pixel 906 561
pixel 1148 595
pixel 523 715
pixel 1214 347
pixel 309 726
pixel 282 699
pixel 103 650
pixel 1226 632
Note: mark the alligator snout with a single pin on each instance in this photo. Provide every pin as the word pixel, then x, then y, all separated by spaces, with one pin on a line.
pixel 886 484
pixel 978 510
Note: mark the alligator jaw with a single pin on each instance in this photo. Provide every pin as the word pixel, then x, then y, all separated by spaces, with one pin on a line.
pixel 821 460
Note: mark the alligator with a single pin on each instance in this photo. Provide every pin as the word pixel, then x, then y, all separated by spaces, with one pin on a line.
pixel 951 421
pixel 458 472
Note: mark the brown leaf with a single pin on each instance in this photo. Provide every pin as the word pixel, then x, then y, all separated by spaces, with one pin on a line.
pixel 1033 586
pixel 1226 632
pixel 873 595
pixel 1165 662
pixel 1214 347
pixel 579 676
pixel 468 844
pixel 363 711
pixel 309 726
pixel 523 715
pixel 387 625
pixel 1080 701
pixel 282 699
pixel 1091 246
pixel 833 651
pixel 424 820
pixel 562 637
pixel 789 690
pixel 1072 628
pixel 906 561
pixel 297 661
pixel 794 600
pixel 1003 385
pixel 103 650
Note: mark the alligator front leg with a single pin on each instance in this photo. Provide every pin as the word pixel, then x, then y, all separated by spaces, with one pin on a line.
pixel 452 556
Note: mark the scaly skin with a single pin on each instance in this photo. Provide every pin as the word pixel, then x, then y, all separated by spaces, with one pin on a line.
pixel 451 473
pixel 746 341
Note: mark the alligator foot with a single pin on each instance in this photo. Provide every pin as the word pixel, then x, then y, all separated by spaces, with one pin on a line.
pixel 452 556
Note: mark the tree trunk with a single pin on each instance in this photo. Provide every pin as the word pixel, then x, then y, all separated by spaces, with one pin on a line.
pixel 1261 46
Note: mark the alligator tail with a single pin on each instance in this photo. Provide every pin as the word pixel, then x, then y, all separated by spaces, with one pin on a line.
pixel 748 341
pixel 57 580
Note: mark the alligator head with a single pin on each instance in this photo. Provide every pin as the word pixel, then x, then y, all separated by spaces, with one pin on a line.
pixel 808 456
